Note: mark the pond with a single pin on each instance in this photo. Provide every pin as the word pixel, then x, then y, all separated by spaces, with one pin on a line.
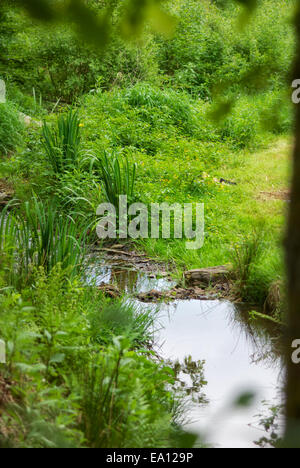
pixel 238 358
pixel 240 355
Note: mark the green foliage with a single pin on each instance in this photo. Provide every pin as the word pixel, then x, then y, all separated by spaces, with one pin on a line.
pixel 252 118
pixel 79 194
pixel 253 273
pixel 29 104
pixel 83 366
pixel 11 128
pixel 174 108
pixel 208 49
pixel 245 254
pixel 71 391
pixel 145 119
pixel 122 390
pixel 60 65
pixel 271 423
pixel 206 53
pixel 62 144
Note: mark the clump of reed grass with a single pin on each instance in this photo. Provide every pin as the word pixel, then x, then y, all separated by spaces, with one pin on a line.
pixel 39 236
pixel 245 256
pixel 118 176
pixel 62 143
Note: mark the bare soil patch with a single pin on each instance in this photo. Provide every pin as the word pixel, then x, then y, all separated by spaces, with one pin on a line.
pixel 6 192
pixel 125 255
pixel 277 195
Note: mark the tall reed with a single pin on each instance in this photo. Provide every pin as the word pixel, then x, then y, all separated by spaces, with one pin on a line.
pixel 40 236
pixel 118 176
pixel 62 143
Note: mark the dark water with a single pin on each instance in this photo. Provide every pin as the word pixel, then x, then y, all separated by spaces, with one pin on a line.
pixel 241 355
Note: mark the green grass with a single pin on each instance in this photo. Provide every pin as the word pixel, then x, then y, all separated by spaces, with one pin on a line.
pixel 85 372
pixel 173 152
pixel 122 318
pixel 233 212
pixel 181 155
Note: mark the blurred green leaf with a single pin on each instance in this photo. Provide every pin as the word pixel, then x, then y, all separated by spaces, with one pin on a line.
pixel 40 9
pixel 245 399
pixel 249 4
pixel 57 358
pixel 221 110
pixel 91 27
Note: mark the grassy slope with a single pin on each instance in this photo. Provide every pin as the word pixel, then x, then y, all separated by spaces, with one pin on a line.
pixel 174 166
pixel 233 212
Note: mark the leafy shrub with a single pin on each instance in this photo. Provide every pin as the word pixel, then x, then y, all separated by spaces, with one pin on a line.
pixel 175 108
pixel 207 51
pixel 123 391
pixel 242 126
pixel 252 118
pixel 60 65
pixel 255 272
pixel 193 58
pixel 276 112
pixel 145 119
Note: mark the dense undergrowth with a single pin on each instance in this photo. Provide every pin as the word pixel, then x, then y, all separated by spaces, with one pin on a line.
pixel 80 380
pixel 143 120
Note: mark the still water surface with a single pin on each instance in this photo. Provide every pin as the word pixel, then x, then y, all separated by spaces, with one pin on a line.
pixel 240 356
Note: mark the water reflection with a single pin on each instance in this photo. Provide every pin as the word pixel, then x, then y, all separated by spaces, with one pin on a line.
pixel 240 355
pixel 265 337
pixel 125 276
pixel 214 331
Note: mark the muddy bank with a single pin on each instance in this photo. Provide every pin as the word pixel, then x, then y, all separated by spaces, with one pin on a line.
pixel 126 256
pixel 220 291
pixel 202 284
pixel 118 269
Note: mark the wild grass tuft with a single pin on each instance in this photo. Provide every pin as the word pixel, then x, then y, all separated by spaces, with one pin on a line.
pixel 122 390
pixel 117 318
pixel 11 128
pixel 245 255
